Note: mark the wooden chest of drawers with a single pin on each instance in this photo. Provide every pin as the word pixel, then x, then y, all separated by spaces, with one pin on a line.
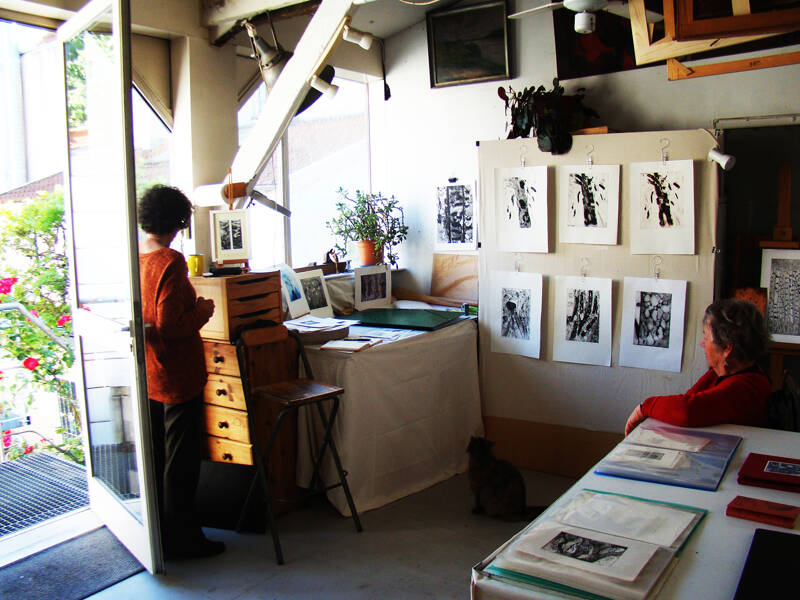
pixel 238 300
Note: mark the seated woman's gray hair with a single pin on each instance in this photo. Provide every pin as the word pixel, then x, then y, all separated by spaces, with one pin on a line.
pixel 739 324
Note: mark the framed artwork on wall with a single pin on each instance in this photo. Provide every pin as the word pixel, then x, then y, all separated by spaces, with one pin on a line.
pixel 468 44
pixel 780 274
pixel 231 234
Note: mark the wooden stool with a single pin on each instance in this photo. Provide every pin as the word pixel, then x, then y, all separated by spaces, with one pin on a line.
pixel 288 396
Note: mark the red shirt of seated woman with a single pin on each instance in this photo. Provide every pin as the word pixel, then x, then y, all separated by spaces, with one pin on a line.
pixel 731 391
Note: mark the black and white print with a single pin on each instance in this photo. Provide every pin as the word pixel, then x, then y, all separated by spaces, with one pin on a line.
pixel 662 203
pixel 373 287
pixel 519 199
pixel 314 292
pixel 783 307
pixel 653 318
pixel 585 549
pixel 516 313
pixel 587 204
pixel 455 220
pixel 784 468
pixel 230 234
pixel 583 315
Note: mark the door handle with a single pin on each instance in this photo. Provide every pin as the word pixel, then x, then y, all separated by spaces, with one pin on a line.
pixel 223 425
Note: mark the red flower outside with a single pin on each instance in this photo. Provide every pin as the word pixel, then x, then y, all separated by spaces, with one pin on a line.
pixel 7 438
pixel 6 283
pixel 28 449
pixel 30 363
pixel 63 320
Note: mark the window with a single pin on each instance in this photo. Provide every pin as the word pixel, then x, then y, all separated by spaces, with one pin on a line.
pixel 151 145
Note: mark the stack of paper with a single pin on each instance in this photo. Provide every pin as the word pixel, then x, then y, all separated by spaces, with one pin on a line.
pixel 600 543
pixel 672 455
pixel 316 330
pixel 350 344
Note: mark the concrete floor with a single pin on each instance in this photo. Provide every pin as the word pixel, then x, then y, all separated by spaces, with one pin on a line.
pixel 422 546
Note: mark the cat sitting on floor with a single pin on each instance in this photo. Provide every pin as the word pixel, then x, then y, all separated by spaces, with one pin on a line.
pixel 498 485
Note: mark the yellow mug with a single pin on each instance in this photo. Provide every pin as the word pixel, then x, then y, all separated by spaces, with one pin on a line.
pixel 195 264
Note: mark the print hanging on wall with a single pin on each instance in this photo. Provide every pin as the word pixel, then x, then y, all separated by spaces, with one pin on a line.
pixel 780 274
pixel 521 209
pixel 515 313
pixel 588 204
pixel 662 207
pixel 652 323
pixel 456 216
pixel 582 332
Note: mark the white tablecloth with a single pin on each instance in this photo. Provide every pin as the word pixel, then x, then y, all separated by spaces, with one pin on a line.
pixel 406 416
pixel 712 560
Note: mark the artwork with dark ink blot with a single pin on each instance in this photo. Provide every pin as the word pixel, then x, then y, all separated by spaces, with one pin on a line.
pixel 230 234
pixel 373 286
pixel 661 203
pixel 588 200
pixel 314 292
pixel 519 199
pixel 516 313
pixel 583 316
pixel 783 307
pixel 455 215
pixel 585 549
pixel 652 321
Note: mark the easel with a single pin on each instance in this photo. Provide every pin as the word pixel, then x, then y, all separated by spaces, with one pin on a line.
pixel 782 239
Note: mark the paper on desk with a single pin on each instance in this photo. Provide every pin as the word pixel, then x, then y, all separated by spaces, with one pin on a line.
pixel 661 437
pixel 310 322
pixel 662 458
pixel 587 550
pixel 383 333
pixel 627 517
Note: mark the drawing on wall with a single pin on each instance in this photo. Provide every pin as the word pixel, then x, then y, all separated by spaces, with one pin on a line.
pixel 588 204
pixel 515 312
pixel 780 274
pixel 652 323
pixel 456 217
pixel 292 292
pixel 316 292
pixel 521 213
pixel 662 207
pixel 373 287
pixel 582 320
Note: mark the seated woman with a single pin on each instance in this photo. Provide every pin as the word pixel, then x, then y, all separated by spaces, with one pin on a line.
pixel 734 389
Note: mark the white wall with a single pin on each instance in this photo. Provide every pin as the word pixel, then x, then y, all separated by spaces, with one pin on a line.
pixel 421 134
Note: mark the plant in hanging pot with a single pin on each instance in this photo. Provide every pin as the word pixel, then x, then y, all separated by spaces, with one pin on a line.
pixel 369 218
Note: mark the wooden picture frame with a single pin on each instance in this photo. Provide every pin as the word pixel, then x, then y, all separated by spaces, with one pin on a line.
pixel 468 44
pixel 741 21
pixel 230 232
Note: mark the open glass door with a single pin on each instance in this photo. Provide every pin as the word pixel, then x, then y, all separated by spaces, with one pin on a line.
pixel 101 210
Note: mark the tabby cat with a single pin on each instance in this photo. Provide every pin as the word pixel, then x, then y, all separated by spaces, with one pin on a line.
pixel 498 485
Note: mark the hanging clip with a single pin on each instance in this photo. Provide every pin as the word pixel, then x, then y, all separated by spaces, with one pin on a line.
pixel 656 262
pixel 589 150
pixel 523 155
pixel 584 266
pixel 664 146
pixel 452 179
pixel 517 259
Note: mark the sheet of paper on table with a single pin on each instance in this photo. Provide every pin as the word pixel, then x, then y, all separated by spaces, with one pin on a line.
pixel 310 322
pixel 663 458
pixel 383 333
pixel 663 438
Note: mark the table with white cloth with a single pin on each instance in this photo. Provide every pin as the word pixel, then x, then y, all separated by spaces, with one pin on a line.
pixel 710 564
pixel 405 418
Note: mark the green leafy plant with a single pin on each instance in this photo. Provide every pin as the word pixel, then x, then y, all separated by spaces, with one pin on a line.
pixel 372 217
pixel 549 115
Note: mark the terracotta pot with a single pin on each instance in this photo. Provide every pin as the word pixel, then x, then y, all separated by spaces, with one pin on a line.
pixel 368 254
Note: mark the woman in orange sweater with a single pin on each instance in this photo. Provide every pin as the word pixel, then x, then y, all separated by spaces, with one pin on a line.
pixel 176 369
pixel 734 389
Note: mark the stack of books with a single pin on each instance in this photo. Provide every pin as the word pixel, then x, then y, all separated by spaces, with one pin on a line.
pixel 600 544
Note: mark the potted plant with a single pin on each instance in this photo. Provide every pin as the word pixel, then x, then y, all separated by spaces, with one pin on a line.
pixel 374 222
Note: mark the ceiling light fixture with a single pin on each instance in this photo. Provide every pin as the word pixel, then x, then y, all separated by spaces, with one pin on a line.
pixel 357 37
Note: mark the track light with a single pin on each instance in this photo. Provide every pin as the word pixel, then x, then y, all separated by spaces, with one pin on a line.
pixel 271 60
pixel 357 37
pixel 726 161
pixel 323 86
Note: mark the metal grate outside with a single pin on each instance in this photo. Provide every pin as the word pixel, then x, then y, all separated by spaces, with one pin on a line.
pixel 38 487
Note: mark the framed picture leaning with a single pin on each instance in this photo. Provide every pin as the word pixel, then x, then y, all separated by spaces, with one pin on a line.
pixel 468 45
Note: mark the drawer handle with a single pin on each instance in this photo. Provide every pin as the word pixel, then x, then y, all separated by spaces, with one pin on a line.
pixel 227 456
pixel 221 392
pixel 219 359
pixel 223 425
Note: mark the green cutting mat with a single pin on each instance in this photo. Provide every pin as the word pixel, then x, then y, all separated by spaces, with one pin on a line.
pixel 406 318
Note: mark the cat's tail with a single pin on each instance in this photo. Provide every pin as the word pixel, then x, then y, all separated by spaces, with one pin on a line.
pixel 529 513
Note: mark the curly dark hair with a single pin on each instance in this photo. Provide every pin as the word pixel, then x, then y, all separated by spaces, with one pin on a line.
pixel 740 324
pixel 163 209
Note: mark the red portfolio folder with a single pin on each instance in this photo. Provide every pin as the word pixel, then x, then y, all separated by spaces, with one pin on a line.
pixel 777 472
pixel 754 509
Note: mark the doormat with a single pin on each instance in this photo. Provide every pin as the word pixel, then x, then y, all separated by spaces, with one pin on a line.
pixel 73 570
